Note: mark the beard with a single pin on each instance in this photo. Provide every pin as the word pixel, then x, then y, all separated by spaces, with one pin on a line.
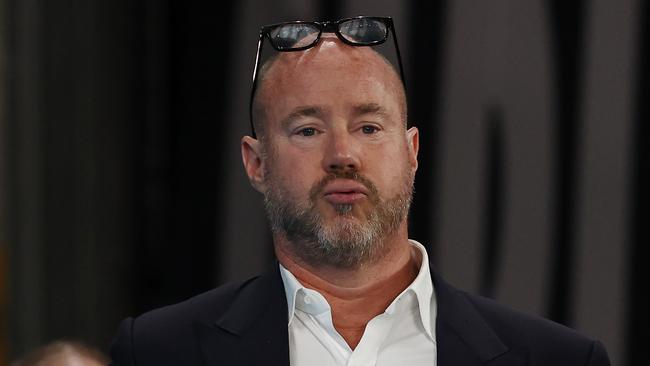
pixel 347 240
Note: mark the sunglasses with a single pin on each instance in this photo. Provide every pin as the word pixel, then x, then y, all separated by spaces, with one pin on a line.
pixel 300 35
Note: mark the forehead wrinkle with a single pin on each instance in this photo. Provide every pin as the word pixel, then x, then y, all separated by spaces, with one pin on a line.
pixel 330 53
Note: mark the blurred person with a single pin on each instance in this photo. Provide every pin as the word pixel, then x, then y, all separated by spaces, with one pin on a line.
pixel 63 353
pixel 334 157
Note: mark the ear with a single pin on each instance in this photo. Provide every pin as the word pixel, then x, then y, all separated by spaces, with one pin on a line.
pixel 251 154
pixel 413 143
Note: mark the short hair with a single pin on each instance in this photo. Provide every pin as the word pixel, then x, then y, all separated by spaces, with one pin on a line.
pixel 258 114
pixel 41 354
pixel 257 111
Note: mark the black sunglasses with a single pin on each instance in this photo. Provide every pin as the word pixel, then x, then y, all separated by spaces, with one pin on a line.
pixel 301 35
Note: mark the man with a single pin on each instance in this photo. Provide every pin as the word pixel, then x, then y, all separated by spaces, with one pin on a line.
pixel 335 162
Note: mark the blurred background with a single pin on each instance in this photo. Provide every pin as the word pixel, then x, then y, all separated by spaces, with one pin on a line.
pixel 121 185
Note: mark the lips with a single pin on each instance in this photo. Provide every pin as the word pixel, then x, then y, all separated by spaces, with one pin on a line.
pixel 344 191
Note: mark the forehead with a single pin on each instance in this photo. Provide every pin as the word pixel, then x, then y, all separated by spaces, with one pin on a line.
pixel 331 52
pixel 331 72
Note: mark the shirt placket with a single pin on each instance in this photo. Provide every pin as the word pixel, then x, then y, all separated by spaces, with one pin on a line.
pixel 373 338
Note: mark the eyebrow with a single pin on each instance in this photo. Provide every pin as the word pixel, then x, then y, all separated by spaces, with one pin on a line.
pixel 319 112
pixel 303 111
pixel 370 108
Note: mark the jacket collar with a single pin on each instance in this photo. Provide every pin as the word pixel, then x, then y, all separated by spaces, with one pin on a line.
pixel 463 336
pixel 254 329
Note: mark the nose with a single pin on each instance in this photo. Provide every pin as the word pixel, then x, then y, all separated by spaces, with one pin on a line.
pixel 342 153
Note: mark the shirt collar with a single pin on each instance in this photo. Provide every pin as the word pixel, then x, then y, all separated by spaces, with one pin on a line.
pixel 422 287
pixel 296 293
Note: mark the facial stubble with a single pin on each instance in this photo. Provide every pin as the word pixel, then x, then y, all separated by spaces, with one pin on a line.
pixel 353 236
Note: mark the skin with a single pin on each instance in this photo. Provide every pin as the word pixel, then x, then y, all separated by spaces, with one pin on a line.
pixel 62 353
pixel 70 359
pixel 356 121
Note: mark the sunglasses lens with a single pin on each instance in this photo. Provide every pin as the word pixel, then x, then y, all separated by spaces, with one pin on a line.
pixel 297 35
pixel 364 31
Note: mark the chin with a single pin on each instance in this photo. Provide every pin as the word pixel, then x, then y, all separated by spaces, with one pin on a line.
pixel 357 209
pixel 347 214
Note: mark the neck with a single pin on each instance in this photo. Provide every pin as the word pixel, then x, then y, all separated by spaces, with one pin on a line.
pixel 356 295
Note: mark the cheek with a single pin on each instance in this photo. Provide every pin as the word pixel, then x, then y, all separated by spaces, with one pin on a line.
pixel 390 171
pixel 294 173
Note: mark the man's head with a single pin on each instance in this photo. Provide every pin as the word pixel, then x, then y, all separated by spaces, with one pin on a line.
pixel 259 102
pixel 334 159
pixel 63 353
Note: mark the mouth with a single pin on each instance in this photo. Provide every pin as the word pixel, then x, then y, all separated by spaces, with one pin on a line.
pixel 345 191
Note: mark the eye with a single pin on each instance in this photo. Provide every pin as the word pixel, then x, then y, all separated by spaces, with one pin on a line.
pixel 308 131
pixel 369 130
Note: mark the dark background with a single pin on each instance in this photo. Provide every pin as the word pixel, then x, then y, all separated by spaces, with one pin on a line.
pixel 121 186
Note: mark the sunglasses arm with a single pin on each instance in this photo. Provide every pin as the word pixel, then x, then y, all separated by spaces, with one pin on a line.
pixel 399 56
pixel 260 43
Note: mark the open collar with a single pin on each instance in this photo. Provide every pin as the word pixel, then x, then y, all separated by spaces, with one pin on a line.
pixel 421 287
pixel 254 329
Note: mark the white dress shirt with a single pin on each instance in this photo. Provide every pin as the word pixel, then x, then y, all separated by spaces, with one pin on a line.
pixel 403 335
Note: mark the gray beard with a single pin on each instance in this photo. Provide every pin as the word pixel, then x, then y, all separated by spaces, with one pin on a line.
pixel 345 242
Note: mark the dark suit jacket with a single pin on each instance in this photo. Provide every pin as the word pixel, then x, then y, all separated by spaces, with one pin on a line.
pixel 246 324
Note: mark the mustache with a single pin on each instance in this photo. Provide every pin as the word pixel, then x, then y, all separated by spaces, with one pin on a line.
pixel 317 190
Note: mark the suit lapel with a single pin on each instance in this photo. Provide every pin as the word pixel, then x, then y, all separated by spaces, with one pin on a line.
pixel 463 337
pixel 254 329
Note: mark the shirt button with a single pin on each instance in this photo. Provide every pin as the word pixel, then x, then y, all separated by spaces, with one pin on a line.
pixel 307 300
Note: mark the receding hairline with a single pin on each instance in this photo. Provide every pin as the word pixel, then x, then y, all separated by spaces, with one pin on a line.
pixel 258 112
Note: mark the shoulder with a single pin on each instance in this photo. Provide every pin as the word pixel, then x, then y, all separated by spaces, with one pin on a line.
pixel 160 335
pixel 541 338
pixel 205 307
pixel 515 325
